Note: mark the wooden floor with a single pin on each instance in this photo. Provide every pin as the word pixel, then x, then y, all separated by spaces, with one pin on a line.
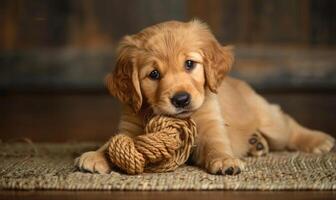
pixel 93 117
pixel 176 195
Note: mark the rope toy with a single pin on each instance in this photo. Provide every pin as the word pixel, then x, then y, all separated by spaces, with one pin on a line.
pixel 166 145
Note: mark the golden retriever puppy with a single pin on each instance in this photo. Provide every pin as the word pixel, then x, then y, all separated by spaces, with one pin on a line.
pixel 179 69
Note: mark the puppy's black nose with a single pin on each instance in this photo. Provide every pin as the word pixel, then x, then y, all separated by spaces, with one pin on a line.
pixel 180 99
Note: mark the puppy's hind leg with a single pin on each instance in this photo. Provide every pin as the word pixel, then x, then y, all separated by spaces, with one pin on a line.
pixel 258 145
pixel 283 132
pixel 307 140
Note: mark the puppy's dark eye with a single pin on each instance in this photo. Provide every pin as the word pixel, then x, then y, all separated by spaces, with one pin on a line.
pixel 189 64
pixel 154 75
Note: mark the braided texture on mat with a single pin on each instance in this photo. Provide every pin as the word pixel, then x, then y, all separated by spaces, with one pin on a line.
pixel 49 166
pixel 166 145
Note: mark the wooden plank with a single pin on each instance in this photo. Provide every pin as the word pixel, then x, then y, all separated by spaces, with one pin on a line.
pixel 94 117
pixel 98 24
pixel 177 195
pixel 210 12
pixel 286 67
pixel 323 22
pixel 265 67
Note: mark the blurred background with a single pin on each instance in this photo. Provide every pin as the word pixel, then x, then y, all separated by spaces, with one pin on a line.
pixel 55 54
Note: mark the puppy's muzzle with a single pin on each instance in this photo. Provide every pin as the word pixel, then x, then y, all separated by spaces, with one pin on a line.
pixel 181 99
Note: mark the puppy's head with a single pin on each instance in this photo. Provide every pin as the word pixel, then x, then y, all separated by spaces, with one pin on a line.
pixel 169 66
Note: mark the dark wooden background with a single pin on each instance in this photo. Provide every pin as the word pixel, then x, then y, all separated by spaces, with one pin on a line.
pixel 101 23
pixel 69 44
pixel 55 54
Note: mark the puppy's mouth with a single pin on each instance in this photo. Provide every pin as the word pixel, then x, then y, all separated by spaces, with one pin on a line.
pixel 174 112
pixel 184 113
pixel 178 114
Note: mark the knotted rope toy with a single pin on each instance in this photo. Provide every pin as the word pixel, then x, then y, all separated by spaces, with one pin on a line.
pixel 166 145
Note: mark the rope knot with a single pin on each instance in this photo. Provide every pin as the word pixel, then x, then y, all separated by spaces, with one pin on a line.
pixel 166 145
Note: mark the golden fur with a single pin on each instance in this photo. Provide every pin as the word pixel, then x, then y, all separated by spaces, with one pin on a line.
pixel 226 110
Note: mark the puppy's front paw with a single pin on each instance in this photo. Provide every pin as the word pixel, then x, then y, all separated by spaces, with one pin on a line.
pixel 225 165
pixel 93 161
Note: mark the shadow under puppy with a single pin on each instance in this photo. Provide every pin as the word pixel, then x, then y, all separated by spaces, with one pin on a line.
pixel 179 69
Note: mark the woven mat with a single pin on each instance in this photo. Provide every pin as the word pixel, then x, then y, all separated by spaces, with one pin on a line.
pixel 50 166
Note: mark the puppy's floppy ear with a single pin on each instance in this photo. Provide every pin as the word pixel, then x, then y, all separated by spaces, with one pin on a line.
pixel 123 83
pixel 218 62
